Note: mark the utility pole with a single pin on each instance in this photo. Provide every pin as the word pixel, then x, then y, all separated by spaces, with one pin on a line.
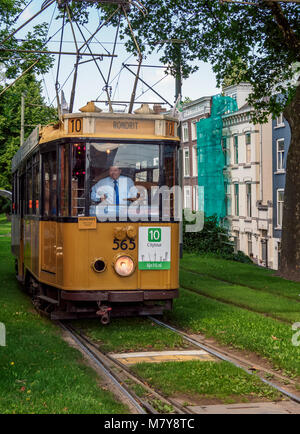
pixel 178 91
pixel 22 118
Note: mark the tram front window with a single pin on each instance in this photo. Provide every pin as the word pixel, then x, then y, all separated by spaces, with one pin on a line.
pixel 123 177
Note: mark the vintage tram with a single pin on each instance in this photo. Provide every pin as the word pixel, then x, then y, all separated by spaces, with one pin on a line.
pixel 89 231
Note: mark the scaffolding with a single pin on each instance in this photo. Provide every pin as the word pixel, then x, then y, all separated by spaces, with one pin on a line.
pixel 211 153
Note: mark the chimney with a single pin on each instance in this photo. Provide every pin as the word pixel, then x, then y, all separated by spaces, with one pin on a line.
pixel 158 109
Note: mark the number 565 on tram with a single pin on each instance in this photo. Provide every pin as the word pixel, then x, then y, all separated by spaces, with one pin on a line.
pixel 95 221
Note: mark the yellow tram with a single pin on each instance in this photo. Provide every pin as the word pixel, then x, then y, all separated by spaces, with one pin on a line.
pixel 90 231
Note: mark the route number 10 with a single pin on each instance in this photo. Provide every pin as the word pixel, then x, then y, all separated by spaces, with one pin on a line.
pixel 154 234
pixel 75 126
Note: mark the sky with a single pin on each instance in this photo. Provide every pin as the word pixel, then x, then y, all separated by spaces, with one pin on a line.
pixel 90 83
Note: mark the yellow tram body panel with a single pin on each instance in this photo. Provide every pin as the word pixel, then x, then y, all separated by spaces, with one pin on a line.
pixel 67 254
pixel 56 251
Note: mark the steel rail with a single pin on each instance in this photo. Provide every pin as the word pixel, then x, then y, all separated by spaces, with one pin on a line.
pixel 226 359
pixel 96 360
pixel 176 406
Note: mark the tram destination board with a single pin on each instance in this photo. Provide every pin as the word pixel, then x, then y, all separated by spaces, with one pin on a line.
pixel 154 248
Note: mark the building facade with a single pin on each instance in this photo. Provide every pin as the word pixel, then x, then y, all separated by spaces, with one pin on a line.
pixel 281 136
pixel 254 174
pixel 191 114
pixel 248 167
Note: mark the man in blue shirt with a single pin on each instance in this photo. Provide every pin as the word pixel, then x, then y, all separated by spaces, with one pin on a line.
pixel 113 193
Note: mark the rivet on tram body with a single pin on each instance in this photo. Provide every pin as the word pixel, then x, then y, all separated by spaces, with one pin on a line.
pixel 131 232
pixel 120 233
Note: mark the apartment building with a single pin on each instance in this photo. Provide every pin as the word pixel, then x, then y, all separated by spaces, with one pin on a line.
pixel 281 136
pixel 248 166
pixel 191 114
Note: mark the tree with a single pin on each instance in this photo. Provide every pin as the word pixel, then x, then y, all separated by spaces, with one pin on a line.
pixel 265 39
pixel 36 112
pixel 13 65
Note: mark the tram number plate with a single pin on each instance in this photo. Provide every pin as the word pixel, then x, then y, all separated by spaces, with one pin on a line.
pixel 123 245
pixel 75 126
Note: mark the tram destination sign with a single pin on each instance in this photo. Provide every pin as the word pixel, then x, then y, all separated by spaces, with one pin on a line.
pixel 154 248
pixel 137 127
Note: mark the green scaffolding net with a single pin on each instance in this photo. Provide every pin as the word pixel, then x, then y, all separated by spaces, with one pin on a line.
pixel 212 154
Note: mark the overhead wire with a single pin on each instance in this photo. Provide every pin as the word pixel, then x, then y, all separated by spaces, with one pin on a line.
pixel 23 10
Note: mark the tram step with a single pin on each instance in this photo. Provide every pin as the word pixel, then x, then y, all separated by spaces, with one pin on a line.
pixel 48 299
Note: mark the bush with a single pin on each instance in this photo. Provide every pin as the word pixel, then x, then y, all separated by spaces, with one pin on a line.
pixel 5 205
pixel 212 239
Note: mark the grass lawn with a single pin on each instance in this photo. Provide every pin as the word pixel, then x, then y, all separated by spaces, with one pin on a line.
pixel 239 328
pixel 242 274
pixel 130 334
pixel 5 226
pixel 206 380
pixel 259 301
pixel 39 372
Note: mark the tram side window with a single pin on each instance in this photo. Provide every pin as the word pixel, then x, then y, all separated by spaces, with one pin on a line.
pixel 36 185
pixel 64 181
pixel 28 188
pixel 78 179
pixel 15 195
pixel 49 184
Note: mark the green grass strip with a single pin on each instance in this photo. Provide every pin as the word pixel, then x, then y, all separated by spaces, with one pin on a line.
pixel 197 379
pixel 249 275
pixel 239 328
pixel 39 372
pixel 5 226
pixel 259 301
pixel 130 334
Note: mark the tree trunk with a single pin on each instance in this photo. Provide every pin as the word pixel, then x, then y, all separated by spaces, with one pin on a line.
pixel 290 252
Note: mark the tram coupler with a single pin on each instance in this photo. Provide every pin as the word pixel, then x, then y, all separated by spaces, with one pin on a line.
pixel 104 314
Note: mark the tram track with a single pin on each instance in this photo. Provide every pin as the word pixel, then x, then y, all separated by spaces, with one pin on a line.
pixel 119 375
pixel 236 361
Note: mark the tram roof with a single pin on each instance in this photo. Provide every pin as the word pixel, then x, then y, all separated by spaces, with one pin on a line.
pixel 90 123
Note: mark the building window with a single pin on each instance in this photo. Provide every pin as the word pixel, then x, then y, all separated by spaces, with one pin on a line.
pixel 225 151
pixel 248 147
pixel 195 198
pixel 185 132
pixel 186 162
pixel 195 163
pixel 280 154
pixel 249 240
pixel 187 197
pixel 279 120
pixel 280 199
pixel 249 200
pixel 194 130
pixel 236 199
pixel 236 241
pixel 235 149
pixel 227 199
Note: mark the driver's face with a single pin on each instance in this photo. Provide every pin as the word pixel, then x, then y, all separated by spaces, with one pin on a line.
pixel 114 172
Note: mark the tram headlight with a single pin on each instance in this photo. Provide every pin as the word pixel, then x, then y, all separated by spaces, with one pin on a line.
pixel 124 266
